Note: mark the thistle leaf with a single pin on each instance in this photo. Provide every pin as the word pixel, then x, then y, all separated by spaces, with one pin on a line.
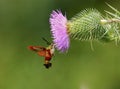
pixel 112 14
pixel 114 22
pixel 114 9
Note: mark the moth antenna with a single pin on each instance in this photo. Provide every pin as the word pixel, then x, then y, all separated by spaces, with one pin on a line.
pixel 47 42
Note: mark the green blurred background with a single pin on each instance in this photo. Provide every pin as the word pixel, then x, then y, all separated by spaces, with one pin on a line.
pixel 24 22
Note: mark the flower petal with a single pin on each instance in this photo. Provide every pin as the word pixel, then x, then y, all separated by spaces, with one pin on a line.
pixel 59 30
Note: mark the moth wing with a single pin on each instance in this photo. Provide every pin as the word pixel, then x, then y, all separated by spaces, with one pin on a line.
pixel 42 53
pixel 37 48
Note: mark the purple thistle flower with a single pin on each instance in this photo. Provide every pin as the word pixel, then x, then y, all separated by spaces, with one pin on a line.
pixel 59 30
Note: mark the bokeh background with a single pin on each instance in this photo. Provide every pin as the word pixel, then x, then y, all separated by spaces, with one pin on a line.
pixel 24 22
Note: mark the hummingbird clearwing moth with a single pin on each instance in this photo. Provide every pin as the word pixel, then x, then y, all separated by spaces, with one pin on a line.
pixel 46 52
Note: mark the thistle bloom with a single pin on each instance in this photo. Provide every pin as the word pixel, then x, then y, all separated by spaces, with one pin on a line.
pixel 59 30
pixel 86 25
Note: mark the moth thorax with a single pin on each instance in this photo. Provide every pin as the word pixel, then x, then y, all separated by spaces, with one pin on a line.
pixel 52 50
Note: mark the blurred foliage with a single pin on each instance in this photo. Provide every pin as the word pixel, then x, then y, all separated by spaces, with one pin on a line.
pixel 24 22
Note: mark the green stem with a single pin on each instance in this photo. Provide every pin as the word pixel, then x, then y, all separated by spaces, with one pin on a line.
pixel 107 21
